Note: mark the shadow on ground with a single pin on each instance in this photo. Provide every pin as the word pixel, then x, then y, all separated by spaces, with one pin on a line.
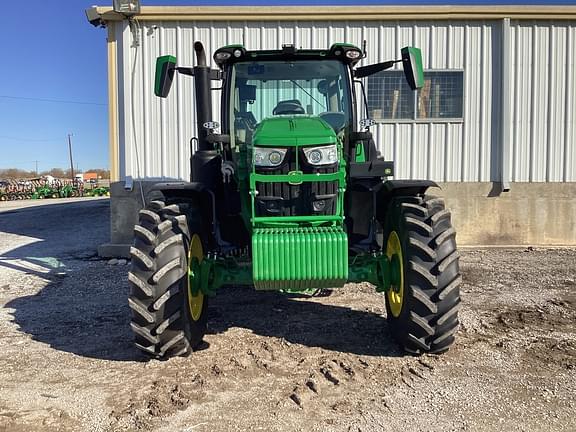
pixel 86 313
pixel 41 238
pixel 83 308
pixel 302 321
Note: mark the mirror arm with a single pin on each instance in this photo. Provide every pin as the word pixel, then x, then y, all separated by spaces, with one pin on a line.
pixel 215 74
pixel 218 138
pixel 365 71
pixel 186 70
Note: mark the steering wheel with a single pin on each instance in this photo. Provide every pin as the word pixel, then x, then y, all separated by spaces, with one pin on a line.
pixel 288 108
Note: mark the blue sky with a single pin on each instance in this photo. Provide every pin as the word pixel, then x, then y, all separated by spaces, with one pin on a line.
pixel 50 52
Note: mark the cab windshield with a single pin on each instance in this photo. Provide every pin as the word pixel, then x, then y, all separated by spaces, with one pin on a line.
pixel 267 89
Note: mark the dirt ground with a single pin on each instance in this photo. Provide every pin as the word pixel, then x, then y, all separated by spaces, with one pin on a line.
pixel 272 362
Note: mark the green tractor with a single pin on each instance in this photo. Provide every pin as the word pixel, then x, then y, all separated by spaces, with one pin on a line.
pixel 44 191
pixel 290 195
pixel 99 191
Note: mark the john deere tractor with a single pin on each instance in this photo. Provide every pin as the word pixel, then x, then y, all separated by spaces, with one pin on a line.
pixel 288 192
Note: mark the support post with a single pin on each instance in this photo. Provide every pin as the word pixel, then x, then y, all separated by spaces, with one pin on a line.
pixel 70 151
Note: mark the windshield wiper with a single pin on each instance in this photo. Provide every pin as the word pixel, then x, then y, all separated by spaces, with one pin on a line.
pixel 306 91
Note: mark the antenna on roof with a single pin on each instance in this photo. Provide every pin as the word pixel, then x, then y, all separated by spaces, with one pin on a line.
pixel 364 48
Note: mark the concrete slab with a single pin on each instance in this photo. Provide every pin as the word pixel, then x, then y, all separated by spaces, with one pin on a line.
pixel 530 214
pixel 20 204
pixel 111 250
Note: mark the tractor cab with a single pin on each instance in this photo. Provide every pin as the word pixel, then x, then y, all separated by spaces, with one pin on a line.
pixel 264 87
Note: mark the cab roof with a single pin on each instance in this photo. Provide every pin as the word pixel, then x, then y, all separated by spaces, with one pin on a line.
pixel 230 54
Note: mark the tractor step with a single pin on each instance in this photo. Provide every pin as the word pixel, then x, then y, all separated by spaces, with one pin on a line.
pixel 299 258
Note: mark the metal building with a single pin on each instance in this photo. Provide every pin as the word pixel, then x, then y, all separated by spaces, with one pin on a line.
pixel 497 113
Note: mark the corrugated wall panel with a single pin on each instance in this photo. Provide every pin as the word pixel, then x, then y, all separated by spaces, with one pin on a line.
pixel 419 152
pixel 523 83
pixel 455 59
pixel 453 156
pixel 556 103
pixel 544 113
pixel 472 94
pixel 543 94
pixel 540 108
pixel 570 120
pixel 488 129
pixel 403 150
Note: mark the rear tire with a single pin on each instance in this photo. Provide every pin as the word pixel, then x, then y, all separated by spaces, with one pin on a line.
pixel 427 318
pixel 161 319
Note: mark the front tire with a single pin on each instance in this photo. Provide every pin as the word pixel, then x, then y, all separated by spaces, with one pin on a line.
pixel 160 300
pixel 422 308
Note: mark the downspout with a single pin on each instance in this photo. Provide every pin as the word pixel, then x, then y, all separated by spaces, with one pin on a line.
pixel 506 108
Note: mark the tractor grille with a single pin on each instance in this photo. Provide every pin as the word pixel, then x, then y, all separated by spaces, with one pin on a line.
pixel 284 199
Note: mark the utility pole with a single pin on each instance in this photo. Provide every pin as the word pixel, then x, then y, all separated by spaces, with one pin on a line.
pixel 36 168
pixel 70 151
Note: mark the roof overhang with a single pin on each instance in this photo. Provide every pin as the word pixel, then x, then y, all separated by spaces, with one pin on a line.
pixel 99 15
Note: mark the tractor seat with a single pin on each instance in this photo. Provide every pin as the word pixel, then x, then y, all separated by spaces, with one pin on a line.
pixel 292 106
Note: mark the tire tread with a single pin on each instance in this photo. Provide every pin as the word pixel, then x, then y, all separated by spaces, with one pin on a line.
pixel 158 301
pixel 428 320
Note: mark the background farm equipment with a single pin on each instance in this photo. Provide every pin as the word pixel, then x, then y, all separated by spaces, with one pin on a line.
pixel 41 188
pixel 99 191
pixel 43 192
pixel 68 189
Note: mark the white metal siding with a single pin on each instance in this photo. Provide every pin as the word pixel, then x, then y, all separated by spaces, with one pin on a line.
pixel 543 132
pixel 544 108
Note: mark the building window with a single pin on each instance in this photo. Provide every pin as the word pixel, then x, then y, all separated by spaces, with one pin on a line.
pixel 441 98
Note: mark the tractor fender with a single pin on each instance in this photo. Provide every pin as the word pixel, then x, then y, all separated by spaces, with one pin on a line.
pixel 191 191
pixel 407 187
pixel 390 189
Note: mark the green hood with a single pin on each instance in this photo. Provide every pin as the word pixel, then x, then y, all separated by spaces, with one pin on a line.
pixel 287 131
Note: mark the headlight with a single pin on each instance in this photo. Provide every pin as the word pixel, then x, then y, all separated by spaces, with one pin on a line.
pixel 353 54
pixel 222 55
pixel 268 157
pixel 325 155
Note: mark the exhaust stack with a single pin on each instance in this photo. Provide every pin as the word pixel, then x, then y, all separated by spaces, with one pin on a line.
pixel 202 85
pixel 205 163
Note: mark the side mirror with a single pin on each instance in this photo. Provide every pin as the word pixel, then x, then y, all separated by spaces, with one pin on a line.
pixel 165 68
pixel 412 65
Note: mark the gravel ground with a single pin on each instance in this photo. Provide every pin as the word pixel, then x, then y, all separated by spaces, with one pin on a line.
pixel 273 362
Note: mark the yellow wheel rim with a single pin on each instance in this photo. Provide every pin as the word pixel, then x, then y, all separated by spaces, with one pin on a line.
pixel 396 292
pixel 195 302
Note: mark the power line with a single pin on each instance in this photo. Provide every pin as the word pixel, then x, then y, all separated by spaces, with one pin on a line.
pixel 52 100
pixel 28 139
